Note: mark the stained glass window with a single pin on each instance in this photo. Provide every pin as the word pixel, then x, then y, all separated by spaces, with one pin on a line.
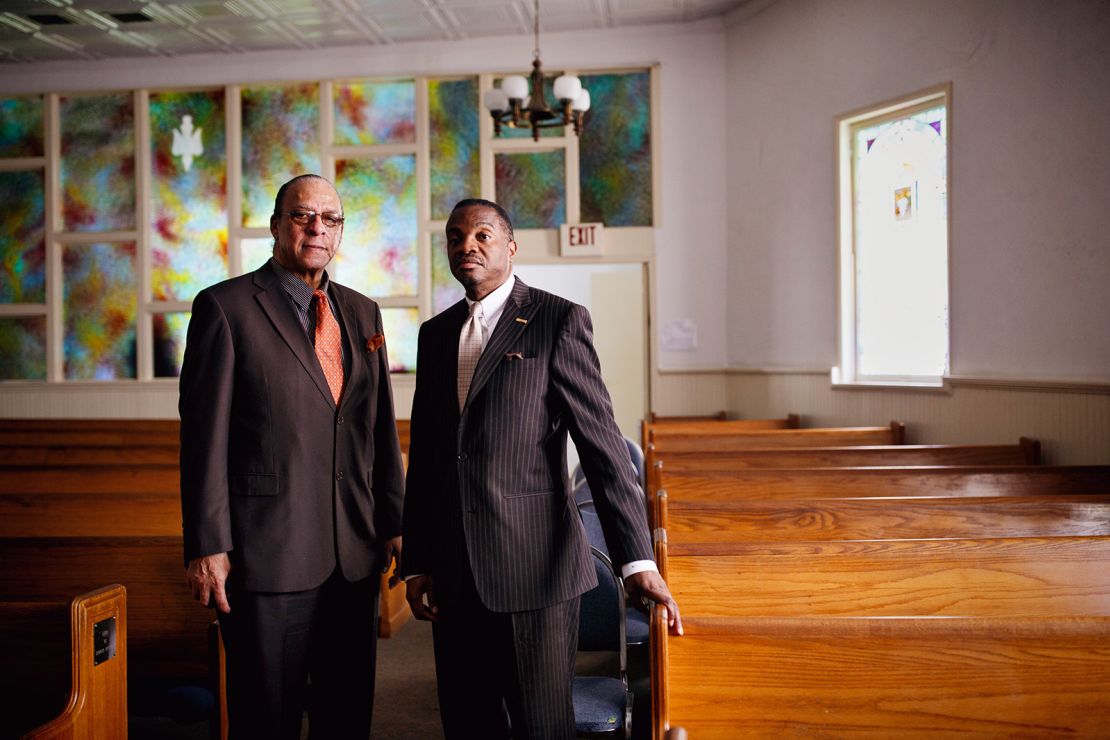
pixel 446 290
pixel 22 238
pixel 98 162
pixel 507 132
pixel 375 112
pixel 531 187
pixel 99 308
pixel 615 150
pixel 378 253
pixel 169 331
pixel 23 348
pixel 453 141
pixel 255 252
pixel 188 193
pixel 21 127
pixel 895 263
pixel 402 327
pixel 280 141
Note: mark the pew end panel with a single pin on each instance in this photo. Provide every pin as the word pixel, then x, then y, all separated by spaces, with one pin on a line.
pixel 97 706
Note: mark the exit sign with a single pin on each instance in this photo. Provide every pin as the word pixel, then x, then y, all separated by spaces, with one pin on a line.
pixel 580 240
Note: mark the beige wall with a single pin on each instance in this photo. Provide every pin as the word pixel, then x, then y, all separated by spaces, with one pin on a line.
pixel 1072 424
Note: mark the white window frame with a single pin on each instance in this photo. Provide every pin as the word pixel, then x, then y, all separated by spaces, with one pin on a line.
pixel 846 373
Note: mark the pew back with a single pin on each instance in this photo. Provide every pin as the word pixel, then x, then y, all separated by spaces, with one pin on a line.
pixel 907 677
pixel 818 483
pixel 695 522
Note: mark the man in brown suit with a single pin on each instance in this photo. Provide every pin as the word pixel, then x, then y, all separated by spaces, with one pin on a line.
pixel 495 551
pixel 291 477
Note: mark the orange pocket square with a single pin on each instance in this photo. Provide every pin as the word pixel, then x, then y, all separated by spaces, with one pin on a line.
pixel 374 342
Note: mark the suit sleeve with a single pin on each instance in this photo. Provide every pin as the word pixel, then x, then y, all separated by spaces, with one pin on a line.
pixel 417 524
pixel 576 379
pixel 389 469
pixel 207 387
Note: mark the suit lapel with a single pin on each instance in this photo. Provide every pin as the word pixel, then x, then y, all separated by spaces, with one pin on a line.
pixel 353 369
pixel 514 320
pixel 275 303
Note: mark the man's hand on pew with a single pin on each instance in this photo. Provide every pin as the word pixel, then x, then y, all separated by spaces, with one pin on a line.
pixel 648 585
pixel 206 577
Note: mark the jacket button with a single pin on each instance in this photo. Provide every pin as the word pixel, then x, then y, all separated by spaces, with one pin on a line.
pixel 339 475
pixel 462 457
pixel 339 420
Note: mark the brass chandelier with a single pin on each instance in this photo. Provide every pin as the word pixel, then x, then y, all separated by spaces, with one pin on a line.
pixel 510 105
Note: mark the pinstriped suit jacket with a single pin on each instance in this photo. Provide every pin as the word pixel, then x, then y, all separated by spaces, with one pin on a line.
pixel 489 487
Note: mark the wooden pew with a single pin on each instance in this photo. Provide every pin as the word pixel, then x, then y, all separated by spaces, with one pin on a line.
pixel 695 423
pixel 1025 452
pixel 810 483
pixel 50 653
pixel 167 636
pixel 1031 576
pixel 834 638
pixel 55 456
pixel 696 523
pixel 909 677
pixel 662 443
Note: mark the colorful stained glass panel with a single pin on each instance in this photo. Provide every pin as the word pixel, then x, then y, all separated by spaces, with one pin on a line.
pixel 402 327
pixel 614 148
pixel 21 127
pixel 280 141
pixel 99 308
pixel 531 187
pixel 98 162
pixel 255 252
pixel 378 253
pixel 375 112
pixel 453 139
pixel 189 193
pixel 446 290
pixel 22 238
pixel 169 343
pixel 23 348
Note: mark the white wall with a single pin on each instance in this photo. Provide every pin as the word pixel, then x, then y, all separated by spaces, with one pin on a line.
pixel 1030 127
pixel 691 248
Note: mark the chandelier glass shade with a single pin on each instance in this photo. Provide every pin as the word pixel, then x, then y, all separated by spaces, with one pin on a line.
pixel 511 105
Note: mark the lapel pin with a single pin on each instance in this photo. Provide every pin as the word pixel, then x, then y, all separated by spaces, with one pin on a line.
pixel 519 320
pixel 374 342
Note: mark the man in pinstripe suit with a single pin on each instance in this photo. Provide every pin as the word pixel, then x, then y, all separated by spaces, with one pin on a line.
pixel 495 552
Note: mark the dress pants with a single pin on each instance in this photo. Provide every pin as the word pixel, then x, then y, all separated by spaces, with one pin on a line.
pixel 493 668
pixel 277 642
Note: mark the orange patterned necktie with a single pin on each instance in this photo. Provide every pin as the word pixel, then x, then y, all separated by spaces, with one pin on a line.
pixel 328 350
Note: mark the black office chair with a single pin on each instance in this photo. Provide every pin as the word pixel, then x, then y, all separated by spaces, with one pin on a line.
pixel 603 704
pixel 637 627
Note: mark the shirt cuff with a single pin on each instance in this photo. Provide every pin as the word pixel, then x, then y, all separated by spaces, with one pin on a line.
pixel 636 566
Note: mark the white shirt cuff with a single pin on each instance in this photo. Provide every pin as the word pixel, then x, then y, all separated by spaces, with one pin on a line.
pixel 636 566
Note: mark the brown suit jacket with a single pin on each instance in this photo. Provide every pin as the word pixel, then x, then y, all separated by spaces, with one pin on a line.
pixel 490 485
pixel 271 471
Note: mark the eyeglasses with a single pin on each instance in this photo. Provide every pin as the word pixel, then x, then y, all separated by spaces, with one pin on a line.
pixel 304 218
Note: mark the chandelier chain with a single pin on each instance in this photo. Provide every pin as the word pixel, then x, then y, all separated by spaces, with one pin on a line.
pixel 536 28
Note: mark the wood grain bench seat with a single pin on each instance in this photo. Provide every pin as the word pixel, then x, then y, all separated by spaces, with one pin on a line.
pixel 695 522
pixel 814 483
pixel 1026 452
pixel 1027 576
